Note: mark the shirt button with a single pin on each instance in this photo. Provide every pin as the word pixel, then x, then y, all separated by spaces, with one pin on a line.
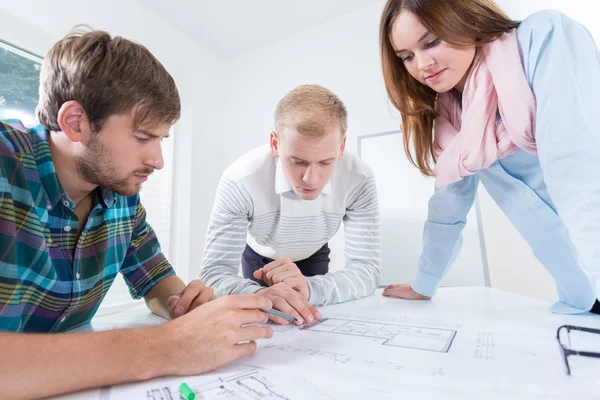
pixel 77 275
pixel 48 206
pixel 67 228
pixel 66 203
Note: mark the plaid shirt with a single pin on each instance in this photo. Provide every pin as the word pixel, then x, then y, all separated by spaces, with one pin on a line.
pixel 50 280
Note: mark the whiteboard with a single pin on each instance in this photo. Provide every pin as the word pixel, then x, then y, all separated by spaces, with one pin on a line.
pixel 403 197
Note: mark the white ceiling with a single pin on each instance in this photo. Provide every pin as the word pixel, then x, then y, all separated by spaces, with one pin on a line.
pixel 230 27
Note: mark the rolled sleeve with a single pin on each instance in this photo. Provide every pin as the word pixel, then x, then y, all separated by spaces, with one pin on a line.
pixel 442 234
pixel 144 265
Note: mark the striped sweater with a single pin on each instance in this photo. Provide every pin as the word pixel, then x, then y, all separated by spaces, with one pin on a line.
pixel 256 205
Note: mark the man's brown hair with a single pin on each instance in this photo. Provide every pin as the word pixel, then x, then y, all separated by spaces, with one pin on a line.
pixel 311 110
pixel 107 76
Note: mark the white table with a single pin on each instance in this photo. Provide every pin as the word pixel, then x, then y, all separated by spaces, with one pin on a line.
pixel 465 343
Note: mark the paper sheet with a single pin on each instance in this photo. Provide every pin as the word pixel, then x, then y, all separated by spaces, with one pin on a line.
pixel 381 348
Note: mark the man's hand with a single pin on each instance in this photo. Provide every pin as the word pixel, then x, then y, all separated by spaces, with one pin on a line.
pixel 205 338
pixel 194 295
pixel 215 334
pixel 403 291
pixel 284 270
pixel 288 300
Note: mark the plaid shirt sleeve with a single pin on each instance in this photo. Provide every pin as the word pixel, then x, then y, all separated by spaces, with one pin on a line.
pixel 144 265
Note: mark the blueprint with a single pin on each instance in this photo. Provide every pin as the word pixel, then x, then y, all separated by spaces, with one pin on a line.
pixel 412 337
pixel 498 347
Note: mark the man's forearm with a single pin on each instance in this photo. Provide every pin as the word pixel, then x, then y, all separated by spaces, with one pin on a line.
pixel 226 240
pixel 40 365
pixel 227 282
pixel 156 298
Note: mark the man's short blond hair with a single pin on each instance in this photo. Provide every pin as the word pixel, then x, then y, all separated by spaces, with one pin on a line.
pixel 312 110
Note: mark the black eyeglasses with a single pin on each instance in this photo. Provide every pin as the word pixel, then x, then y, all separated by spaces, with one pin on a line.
pixel 567 351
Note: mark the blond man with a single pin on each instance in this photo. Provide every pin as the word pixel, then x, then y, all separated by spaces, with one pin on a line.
pixel 277 207
pixel 72 220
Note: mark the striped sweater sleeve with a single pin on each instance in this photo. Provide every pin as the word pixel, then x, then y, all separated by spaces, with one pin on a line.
pixel 226 239
pixel 362 273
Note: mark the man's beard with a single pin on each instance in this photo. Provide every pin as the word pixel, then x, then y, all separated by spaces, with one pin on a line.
pixel 96 168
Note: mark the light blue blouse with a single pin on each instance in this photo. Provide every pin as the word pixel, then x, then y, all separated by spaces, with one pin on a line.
pixel 553 199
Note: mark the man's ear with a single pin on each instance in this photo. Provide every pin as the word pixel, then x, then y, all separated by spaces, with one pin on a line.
pixel 73 121
pixel 274 141
pixel 342 147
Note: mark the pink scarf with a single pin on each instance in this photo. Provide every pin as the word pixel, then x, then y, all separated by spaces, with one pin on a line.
pixel 470 139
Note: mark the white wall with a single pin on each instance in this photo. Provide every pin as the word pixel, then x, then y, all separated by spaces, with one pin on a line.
pixel 403 202
pixel 196 72
pixel 343 56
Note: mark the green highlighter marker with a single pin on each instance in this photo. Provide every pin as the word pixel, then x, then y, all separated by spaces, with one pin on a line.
pixel 186 392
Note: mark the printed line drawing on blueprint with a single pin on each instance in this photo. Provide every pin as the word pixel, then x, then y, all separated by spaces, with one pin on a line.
pixel 399 319
pixel 341 358
pixel 248 385
pixel 233 382
pixel 484 347
pixel 159 394
pixel 413 337
pixel 491 346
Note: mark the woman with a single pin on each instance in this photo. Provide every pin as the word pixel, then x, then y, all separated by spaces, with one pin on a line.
pixel 511 104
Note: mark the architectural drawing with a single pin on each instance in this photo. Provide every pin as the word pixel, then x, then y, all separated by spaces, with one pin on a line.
pixel 160 394
pixel 484 347
pixel 239 383
pixel 498 346
pixel 334 358
pixel 385 349
pixel 245 386
pixel 413 337
pixel 398 319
